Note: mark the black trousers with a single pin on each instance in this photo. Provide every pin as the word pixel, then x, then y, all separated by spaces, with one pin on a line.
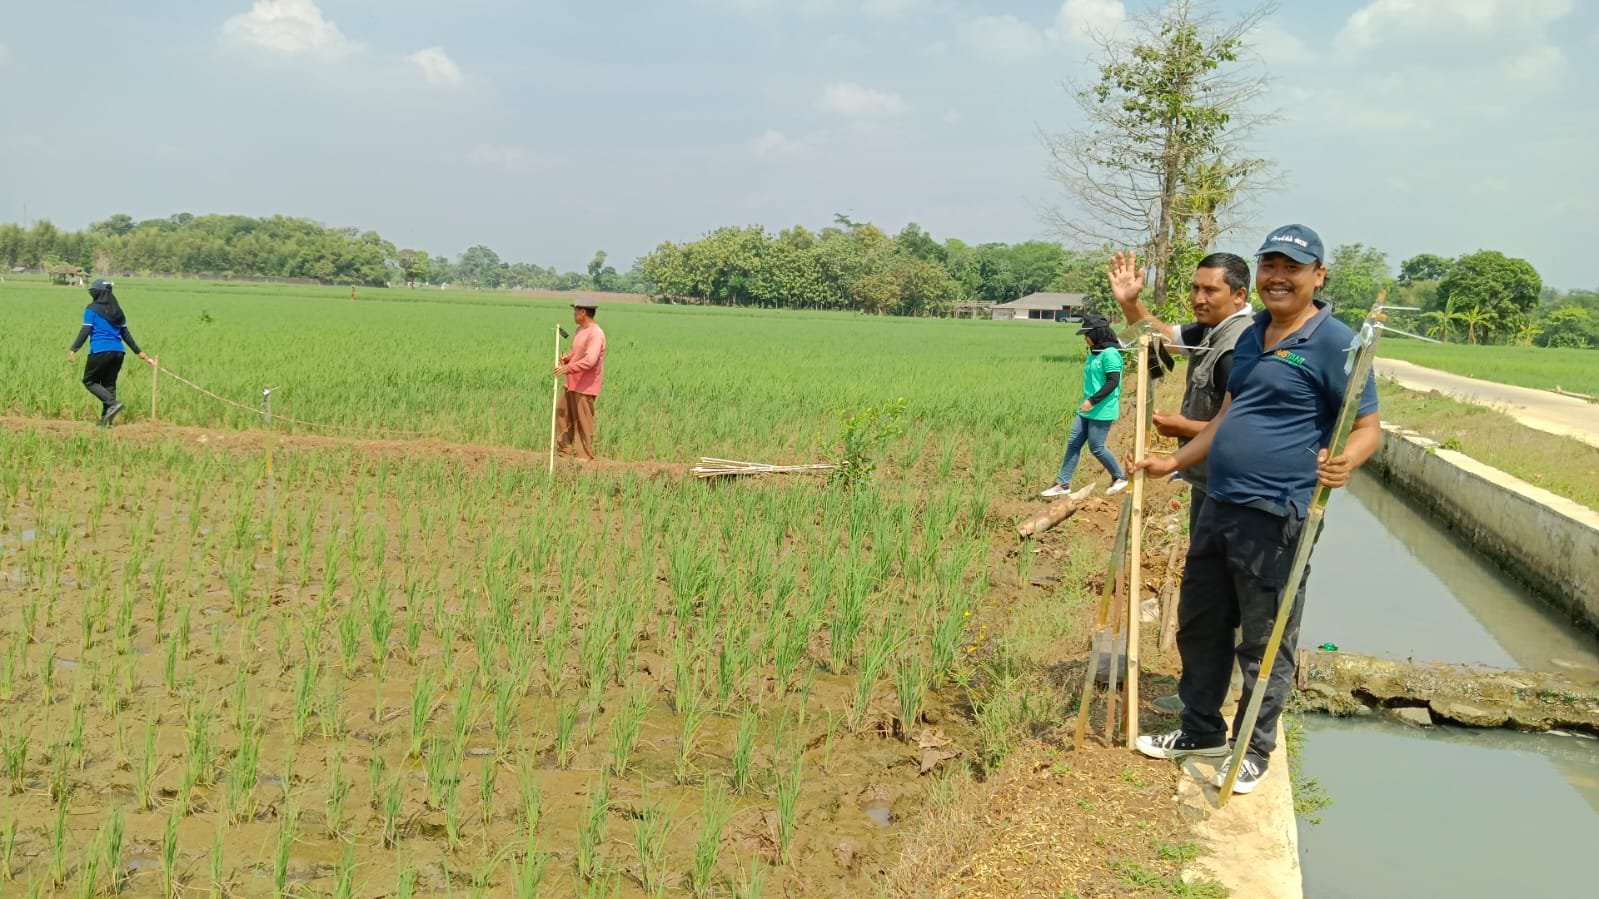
pixel 1237 566
pixel 100 376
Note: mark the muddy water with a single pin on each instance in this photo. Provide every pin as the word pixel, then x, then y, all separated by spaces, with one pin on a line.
pixel 1442 811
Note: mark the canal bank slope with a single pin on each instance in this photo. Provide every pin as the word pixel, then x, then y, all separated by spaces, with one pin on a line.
pixel 1548 542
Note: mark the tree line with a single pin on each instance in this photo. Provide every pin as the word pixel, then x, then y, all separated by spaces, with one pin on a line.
pixel 1481 297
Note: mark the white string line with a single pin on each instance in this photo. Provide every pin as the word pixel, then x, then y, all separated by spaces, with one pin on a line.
pixel 297 421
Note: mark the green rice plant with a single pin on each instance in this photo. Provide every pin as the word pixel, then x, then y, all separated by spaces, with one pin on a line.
pixel 788 792
pixel 947 636
pixel 413 631
pixel 555 647
pixel 58 844
pixel 652 828
pixel 452 812
pixel 529 799
pixel 528 874
pixel 789 650
pixel 8 669
pixel 330 711
pixel 169 667
pixel 436 770
pixel 423 702
pixel 692 713
pixel 144 769
pixel 876 659
pixel 491 772
pixel 594 650
pixel 505 709
pixel 744 749
pixel 8 846
pixel 625 729
pixel 591 829
pixel 217 859
pixel 379 677
pixel 183 630
pixel 715 812
pixel 753 884
pixel 338 791
pixel 14 746
pixel 288 825
pixel 848 616
pixel 344 876
pixel 47 677
pixel 89 873
pixel 390 808
pixel 910 688
pixel 111 840
pixel 565 725
pixel 304 701
pixel 405 888
pixel 350 628
pixel 169 856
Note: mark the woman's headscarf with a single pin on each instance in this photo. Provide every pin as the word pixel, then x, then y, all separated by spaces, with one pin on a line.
pixel 105 303
pixel 1100 335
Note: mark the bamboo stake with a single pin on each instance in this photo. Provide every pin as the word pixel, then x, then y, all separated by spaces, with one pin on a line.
pixel 555 396
pixel 1168 621
pixel 155 380
pixel 1135 573
pixel 1113 694
pixel 1360 370
pixel 1101 620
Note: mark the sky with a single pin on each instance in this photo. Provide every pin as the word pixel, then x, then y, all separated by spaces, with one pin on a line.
pixel 548 129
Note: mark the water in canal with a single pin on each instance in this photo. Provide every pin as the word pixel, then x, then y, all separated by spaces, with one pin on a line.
pixel 1445 811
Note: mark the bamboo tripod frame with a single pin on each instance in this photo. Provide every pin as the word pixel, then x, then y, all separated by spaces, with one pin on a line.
pixel 555 396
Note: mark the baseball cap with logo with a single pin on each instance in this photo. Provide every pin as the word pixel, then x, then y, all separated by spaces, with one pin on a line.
pixel 1297 242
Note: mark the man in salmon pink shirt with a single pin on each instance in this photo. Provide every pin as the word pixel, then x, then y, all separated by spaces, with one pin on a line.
pixel 584 370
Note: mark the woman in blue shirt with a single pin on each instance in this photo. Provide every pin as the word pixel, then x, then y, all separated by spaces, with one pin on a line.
pixel 106 330
pixel 1102 375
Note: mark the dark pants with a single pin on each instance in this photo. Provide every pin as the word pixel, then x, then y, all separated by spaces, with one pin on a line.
pixel 1196 502
pixel 100 377
pixel 1238 561
pixel 574 425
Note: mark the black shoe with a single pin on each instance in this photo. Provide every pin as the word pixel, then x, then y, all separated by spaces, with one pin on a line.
pixel 1177 744
pixel 1249 774
pixel 110 413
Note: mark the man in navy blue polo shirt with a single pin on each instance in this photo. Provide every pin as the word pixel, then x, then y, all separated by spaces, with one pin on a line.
pixel 1266 451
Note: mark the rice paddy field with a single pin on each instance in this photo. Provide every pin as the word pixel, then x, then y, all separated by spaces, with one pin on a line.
pixel 393 656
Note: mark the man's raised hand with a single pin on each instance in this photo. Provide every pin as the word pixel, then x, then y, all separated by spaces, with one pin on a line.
pixel 1126 278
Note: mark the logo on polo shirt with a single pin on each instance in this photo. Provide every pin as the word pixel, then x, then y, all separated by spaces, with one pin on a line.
pixel 1293 359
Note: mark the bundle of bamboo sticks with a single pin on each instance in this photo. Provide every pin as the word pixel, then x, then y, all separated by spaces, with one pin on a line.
pixel 716 468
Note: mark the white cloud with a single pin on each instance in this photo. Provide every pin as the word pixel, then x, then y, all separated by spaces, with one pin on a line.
pixel 952 116
pixel 774 144
pixel 500 156
pixel 5 54
pixel 437 67
pixel 845 44
pixel 935 49
pixel 288 27
pixel 1006 38
pixel 890 8
pixel 1084 20
pixel 1276 45
pixel 1382 21
pixel 1002 38
pixel 846 98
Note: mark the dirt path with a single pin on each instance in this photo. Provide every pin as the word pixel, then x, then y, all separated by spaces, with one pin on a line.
pixel 1540 409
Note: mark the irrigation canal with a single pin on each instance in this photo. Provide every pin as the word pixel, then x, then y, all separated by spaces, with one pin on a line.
pixel 1441 811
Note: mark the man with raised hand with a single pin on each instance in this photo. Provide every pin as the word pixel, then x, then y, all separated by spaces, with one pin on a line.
pixel 584 370
pixel 1219 295
pixel 1267 451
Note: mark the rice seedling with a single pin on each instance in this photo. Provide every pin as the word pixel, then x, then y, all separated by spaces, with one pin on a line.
pixel 591 828
pixel 527 874
pixel 8 846
pixel 338 791
pixel 390 808
pixel 692 713
pixel 744 749
pixel 652 828
pixel 144 768
pixel 169 855
pixel 14 746
pixel 288 825
pixel 422 704
pixel 753 883
pixel 625 729
pixel 565 725
pixel 110 839
pixel 715 811
pixel 788 792
pixel 344 876
pixel 910 688
pixel 58 844
pixel 217 860
pixel 491 772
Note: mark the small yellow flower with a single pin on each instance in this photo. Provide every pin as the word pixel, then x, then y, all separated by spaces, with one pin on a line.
pixel 966 614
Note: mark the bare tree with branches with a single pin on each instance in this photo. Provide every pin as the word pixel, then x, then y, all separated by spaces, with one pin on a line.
pixel 1162 160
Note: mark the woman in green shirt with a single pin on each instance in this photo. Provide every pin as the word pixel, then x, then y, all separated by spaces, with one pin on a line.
pixel 1102 390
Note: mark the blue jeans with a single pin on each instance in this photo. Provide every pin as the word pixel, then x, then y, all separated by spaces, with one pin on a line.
pixel 1093 433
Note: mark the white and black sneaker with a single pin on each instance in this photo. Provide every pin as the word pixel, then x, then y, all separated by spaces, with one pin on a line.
pixel 1177 744
pixel 1116 487
pixel 1249 774
pixel 1056 490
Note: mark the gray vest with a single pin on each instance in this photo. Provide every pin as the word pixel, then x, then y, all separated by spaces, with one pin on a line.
pixel 1202 396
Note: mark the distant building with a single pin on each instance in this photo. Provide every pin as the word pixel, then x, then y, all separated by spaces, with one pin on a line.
pixel 70 275
pixel 1043 307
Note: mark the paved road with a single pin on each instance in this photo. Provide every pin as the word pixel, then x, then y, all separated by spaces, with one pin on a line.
pixel 1539 409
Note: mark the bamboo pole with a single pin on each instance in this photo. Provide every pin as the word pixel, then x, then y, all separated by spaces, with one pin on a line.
pixel 1053 514
pixel 1135 541
pixel 1168 619
pixel 555 396
pixel 1347 413
pixel 1101 621
pixel 155 380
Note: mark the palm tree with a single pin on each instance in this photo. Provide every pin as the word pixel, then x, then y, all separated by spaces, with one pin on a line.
pixel 1442 320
